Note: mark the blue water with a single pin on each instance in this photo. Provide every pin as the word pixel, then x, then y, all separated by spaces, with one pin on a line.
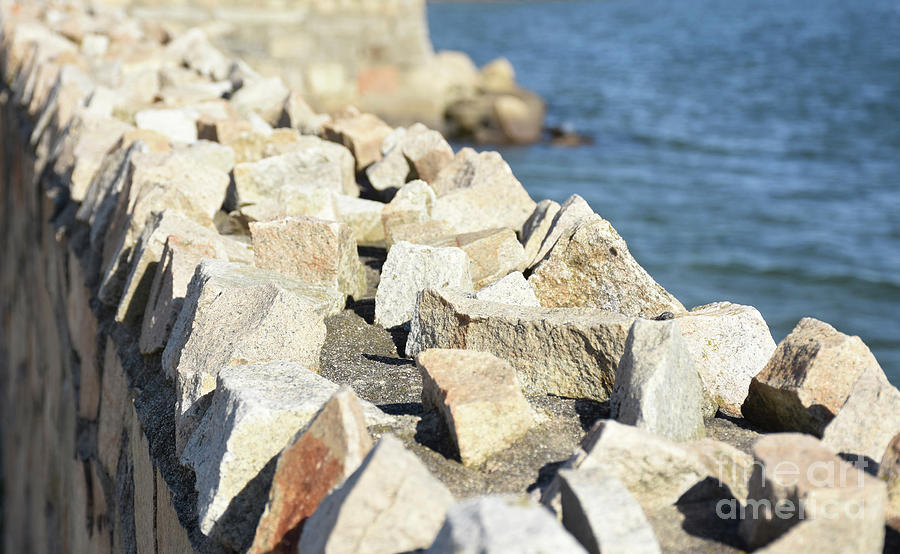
pixel 746 150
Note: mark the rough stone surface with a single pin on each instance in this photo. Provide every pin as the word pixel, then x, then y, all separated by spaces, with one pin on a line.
pixel 255 412
pixel 867 421
pixel 592 267
pixel 493 253
pixel 232 316
pixel 319 459
pixel 563 221
pixel 83 332
pixel 512 289
pixel 796 473
pixel 314 250
pixel 600 512
pixel 498 524
pixel 657 471
pixel 362 133
pixel 263 97
pixel 426 151
pixel 411 204
pixel 808 379
pixel 478 397
pixel 363 217
pixel 889 472
pixel 536 227
pixel 411 268
pixel 730 344
pixel 171 536
pixel 280 179
pixel 147 253
pixel 114 401
pixel 657 386
pixel 180 125
pixel 572 352
pixel 179 259
pixel 391 503
pixel 479 191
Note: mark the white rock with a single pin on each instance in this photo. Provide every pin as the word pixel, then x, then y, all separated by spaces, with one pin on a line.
pixel 411 268
pixel 178 124
pixel 512 289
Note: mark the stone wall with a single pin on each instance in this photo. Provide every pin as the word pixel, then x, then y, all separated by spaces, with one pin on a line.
pixel 230 323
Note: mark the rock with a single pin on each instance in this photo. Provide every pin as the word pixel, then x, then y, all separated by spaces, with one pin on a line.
pixel 497 75
pixel 313 250
pixel 600 512
pixel 390 172
pixel 264 97
pixel 730 344
pixel 592 267
pixel 479 191
pixel 193 50
pixel 536 227
pixel 283 141
pixel 498 524
pixel 180 257
pixel 657 386
pixel 319 459
pixel 313 202
pixel 237 315
pixel 227 130
pixel 656 471
pixel 411 268
pixel 889 472
pixel 82 329
pixel 363 217
pixel 801 488
pixel 89 139
pixel 179 124
pixel 521 122
pixel 867 421
pixel 411 204
pixel 512 289
pixel 170 535
pixel 362 133
pixel 189 181
pixel 255 412
pixel 571 352
pixel 148 251
pixel 426 151
pixel 574 211
pixel 493 254
pixel 297 114
pixel 479 399
pixel 808 379
pixel 282 178
pixel 391 503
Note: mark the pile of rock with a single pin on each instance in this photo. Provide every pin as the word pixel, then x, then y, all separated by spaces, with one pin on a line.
pixel 339 336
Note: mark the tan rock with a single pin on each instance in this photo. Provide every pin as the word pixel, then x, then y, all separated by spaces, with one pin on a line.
pixel 562 223
pixel 83 333
pixel 411 268
pixel 479 398
pixel 391 503
pixel 148 251
pixel 179 259
pixel 363 217
pixel 592 267
pixel 479 191
pixel 808 379
pixel 572 352
pixel 799 487
pixel 313 250
pixel 536 227
pixel 867 421
pixel 171 536
pixel 426 151
pixel 144 479
pixel 493 254
pixel 318 460
pixel 362 133
pixel 179 124
pixel 297 114
pixel 889 472
pixel 411 204
pixel 264 97
pixel 512 289
pixel 87 141
pixel 255 412
pixel 730 344
pixel 237 315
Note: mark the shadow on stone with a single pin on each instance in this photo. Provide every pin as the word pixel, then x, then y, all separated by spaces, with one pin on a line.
pixel 545 475
pixel 432 433
pixel 387 360
pixel 237 526
pixel 861 462
pixel 698 506
pixel 589 411
pixel 402 408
